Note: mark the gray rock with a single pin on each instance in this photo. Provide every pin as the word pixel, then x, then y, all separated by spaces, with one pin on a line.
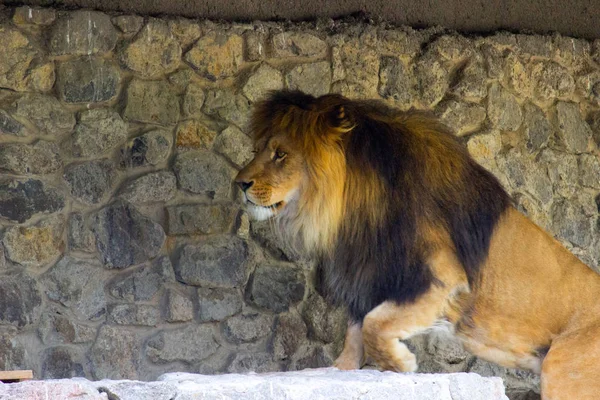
pixel 20 69
pixel 574 133
pixel 115 354
pixel 34 16
pixel 133 314
pixel 471 83
pixel 485 148
pixel 128 24
pixel 313 79
pixel 57 328
pixel 12 353
pixel 303 44
pixel 316 358
pixel 194 134
pixel 570 223
pixel 228 106
pixel 396 82
pixel 10 126
pixel 97 132
pixel 204 172
pixel 503 110
pixel 537 128
pixel 193 100
pixel 218 304
pixel 151 148
pixel 20 302
pixel 398 42
pixel 153 52
pixel 125 237
pixel 589 167
pixel 143 283
pixel 276 287
pixel 3 263
pixel 235 146
pixel 35 246
pixel 181 78
pixel 153 187
pixel 290 332
pixel 462 117
pixel 274 241
pixel 262 81
pixel 216 55
pixel 179 308
pixel 152 102
pixel 252 362
pixel 526 175
pixel 61 363
pixel 324 322
pixel 432 80
pixel 20 200
pixel 74 283
pixel 190 344
pixel 87 80
pixel 40 158
pixel 247 328
pixel 191 219
pixel 563 171
pixel 46 114
pixel 80 236
pixel 185 31
pixel 256 45
pixel 361 70
pixel 215 261
pixel 552 80
pixel 134 390
pixel 82 33
pixel 91 181
pixel 65 389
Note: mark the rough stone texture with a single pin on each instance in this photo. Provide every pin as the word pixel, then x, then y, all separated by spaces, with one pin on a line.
pixel 289 331
pixel 20 200
pixel 193 100
pixel 228 106
pixel 152 102
pixel 151 148
pixel 247 327
pixel 80 236
pixel 216 55
pixel 133 314
pixel 87 80
pixel 90 182
pixel 61 363
pixel 46 114
pixel 125 237
pixel 34 16
pixel 192 343
pixel 276 287
pixel 463 118
pixel 82 33
pixel 575 133
pixel 179 308
pixel 190 219
pixel 264 80
pixel 35 246
pixel 20 301
pixel 503 110
pixel 290 44
pixel 40 158
pixel 97 132
pixel 194 134
pixel 10 126
pixel 396 82
pixel 313 79
pixel 153 187
pixel 324 323
pixel 56 328
pixel 129 24
pixel 235 146
pixel 218 304
pixel 143 283
pixel 216 261
pixel 12 354
pixel 204 172
pixel 115 340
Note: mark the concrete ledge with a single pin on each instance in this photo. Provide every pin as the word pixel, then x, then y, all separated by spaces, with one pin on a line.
pixel 314 384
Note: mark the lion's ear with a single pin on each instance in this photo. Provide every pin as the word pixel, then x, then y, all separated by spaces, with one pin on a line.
pixel 340 120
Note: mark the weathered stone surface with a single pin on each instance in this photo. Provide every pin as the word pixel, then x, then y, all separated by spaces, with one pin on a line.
pixel 290 44
pixel 61 363
pixel 247 327
pixel 273 241
pixel 361 71
pixel 151 148
pixel 54 389
pixel 229 106
pixel 276 287
pixel 80 237
pixel 314 79
pixel 552 80
pixel 57 328
pixel 34 15
pixel 563 171
pixel 574 132
pixel 40 158
pixel 185 31
pixel 35 246
pixel 74 283
pixel 317 357
pixel 153 52
pixel 432 80
pixel 193 100
pixel 523 174
pixel 125 237
pixel 82 33
pixel 396 82
pixel 204 172
pixel 256 45
pixel 264 80
pixel 235 146
pixel 471 83
pixel 136 390
pixel 215 261
pixel 399 43
pixel 192 343
pixel 152 102
pixel 10 126
pixel 290 332
pixel 20 200
pixel 462 117
pixel 90 182
pixel 485 148
pixel 181 78
pixel 324 322
pixel 570 223
pixel 194 134
pixel 216 55
pixel 143 283
pixel 12 353
pixel 192 219
pixel 589 166
pixel 536 126
pixel 46 113
pixel 179 308
pixel 153 187
pixel 503 110
pixel 218 304
pixel 133 314
pixel 252 362
pixel 115 354
pixel 98 132
pixel 20 305
pixel 453 48
pixel 128 24
pixel 87 80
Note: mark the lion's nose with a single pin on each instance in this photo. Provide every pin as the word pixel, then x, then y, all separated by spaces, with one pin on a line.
pixel 245 185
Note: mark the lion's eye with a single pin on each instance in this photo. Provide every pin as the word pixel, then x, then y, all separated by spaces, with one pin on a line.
pixel 279 155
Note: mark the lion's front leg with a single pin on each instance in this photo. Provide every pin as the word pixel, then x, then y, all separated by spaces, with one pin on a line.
pixel 352 354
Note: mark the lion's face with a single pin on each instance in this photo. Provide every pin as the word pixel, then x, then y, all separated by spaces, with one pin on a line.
pixel 272 180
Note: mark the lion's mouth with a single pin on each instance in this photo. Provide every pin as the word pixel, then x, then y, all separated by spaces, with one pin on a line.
pixel 274 206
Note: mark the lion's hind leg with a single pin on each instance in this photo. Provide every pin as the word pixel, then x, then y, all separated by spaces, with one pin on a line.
pixel 352 354
pixel 571 369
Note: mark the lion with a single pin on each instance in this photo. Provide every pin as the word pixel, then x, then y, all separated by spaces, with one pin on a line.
pixel 411 233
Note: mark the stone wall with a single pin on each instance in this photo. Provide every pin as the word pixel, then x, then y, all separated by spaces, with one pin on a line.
pixel 124 251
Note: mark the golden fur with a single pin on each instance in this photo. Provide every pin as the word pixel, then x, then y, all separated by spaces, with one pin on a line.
pixel 337 173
